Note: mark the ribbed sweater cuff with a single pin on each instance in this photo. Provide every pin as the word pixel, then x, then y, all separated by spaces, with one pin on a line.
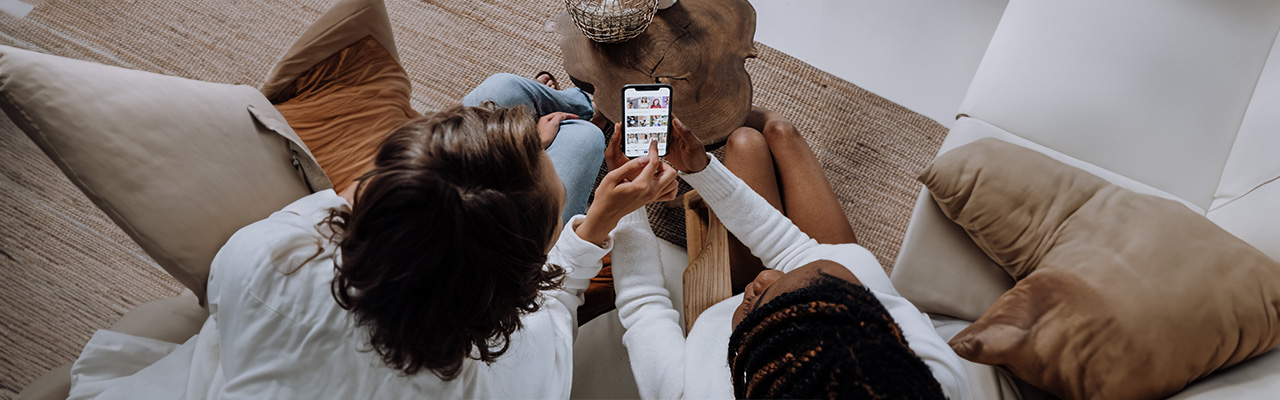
pixel 635 247
pixel 579 251
pixel 636 217
pixel 714 182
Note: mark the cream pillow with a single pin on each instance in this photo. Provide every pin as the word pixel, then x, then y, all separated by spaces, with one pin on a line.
pixel 1119 295
pixel 179 164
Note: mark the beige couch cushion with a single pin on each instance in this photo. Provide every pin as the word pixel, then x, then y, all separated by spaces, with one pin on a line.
pixel 1119 294
pixel 179 164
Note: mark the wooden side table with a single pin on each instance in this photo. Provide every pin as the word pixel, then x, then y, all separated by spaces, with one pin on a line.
pixel 699 47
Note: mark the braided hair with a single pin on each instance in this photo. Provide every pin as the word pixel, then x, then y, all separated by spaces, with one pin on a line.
pixel 830 339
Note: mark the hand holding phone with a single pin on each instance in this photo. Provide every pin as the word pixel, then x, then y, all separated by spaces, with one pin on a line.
pixel 687 152
pixel 628 187
pixel 646 118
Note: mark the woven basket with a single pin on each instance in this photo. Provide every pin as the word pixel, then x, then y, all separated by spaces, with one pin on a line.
pixel 611 21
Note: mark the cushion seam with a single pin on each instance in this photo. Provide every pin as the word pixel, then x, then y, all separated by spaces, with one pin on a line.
pixel 1217 186
pixel 1246 193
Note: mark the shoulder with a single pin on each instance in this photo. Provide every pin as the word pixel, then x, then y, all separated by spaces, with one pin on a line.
pixel 707 372
pixel 305 212
pixel 296 221
pixel 539 363
pixel 262 254
pixel 856 259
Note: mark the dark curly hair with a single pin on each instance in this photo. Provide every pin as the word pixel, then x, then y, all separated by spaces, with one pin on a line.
pixel 831 339
pixel 445 247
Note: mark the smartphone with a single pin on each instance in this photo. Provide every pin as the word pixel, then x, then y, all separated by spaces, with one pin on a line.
pixel 646 114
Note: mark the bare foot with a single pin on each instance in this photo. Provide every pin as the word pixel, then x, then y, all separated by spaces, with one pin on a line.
pixel 546 78
pixel 598 119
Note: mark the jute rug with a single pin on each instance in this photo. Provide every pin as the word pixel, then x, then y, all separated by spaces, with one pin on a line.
pixel 66 270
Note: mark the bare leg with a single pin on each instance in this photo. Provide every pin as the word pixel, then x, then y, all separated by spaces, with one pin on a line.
pixel 807 195
pixel 747 155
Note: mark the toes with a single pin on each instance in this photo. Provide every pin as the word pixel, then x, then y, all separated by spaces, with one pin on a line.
pixel 547 79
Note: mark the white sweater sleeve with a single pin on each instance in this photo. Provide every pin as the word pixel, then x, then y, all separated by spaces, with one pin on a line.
pixel 581 262
pixel 654 338
pixel 771 236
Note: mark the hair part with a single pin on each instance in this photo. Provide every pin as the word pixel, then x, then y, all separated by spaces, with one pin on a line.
pixel 445 247
pixel 830 339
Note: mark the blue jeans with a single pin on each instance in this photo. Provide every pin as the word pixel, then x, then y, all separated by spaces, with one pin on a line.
pixel 578 149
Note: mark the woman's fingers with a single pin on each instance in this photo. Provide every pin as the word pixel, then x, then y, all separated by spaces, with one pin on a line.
pixel 681 132
pixel 668 195
pixel 668 186
pixel 558 116
pixel 660 185
pixel 690 154
pixel 615 140
pixel 626 172
pixel 667 181
pixel 652 161
pixel 688 142
pixel 676 153
pixel 614 156
pixel 653 152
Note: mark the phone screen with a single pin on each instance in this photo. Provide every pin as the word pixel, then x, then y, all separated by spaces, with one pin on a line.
pixel 647 118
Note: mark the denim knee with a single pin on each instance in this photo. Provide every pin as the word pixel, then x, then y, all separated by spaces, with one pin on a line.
pixel 581 137
pixel 503 89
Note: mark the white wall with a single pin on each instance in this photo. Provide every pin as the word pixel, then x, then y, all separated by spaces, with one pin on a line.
pixel 918 53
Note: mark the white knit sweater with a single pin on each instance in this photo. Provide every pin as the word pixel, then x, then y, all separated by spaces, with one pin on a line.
pixel 667 365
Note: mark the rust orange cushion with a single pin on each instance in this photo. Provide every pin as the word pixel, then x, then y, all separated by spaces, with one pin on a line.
pixel 1119 295
pixel 340 86
pixel 344 107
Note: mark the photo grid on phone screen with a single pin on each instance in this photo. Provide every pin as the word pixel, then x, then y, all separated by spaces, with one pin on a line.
pixel 646 120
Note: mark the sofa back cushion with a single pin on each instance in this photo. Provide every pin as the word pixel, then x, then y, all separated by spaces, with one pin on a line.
pixel 1152 90
pixel 1118 294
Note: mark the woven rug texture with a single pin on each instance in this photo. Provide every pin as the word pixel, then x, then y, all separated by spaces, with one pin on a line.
pixel 67 270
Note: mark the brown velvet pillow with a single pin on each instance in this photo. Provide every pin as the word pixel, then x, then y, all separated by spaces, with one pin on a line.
pixel 1119 294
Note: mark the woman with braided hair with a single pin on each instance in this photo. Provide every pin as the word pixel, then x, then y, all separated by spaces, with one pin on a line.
pixel 828 339
pixel 817 316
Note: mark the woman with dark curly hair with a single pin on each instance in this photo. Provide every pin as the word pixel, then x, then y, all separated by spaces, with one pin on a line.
pixel 817 317
pixel 439 274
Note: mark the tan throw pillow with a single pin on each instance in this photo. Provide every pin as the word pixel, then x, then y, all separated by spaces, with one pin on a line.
pixel 179 164
pixel 1120 295
pixel 342 89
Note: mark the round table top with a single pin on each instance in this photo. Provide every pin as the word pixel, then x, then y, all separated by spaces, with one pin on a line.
pixel 699 47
